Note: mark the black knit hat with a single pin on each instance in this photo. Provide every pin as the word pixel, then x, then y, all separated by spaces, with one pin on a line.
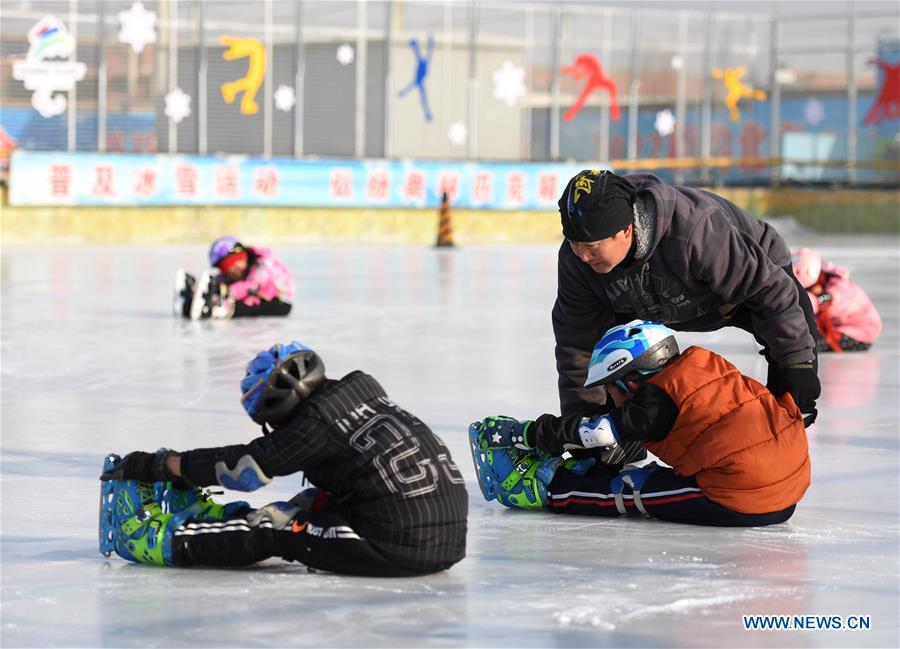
pixel 596 205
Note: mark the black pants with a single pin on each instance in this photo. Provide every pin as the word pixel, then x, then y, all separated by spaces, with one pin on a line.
pixel 743 320
pixel 665 495
pixel 323 540
pixel 265 308
pixel 846 343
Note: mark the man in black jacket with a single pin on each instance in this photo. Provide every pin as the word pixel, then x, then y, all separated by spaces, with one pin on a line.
pixel 637 248
pixel 389 499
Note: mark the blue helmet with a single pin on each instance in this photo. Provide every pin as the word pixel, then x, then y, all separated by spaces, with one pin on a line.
pixel 639 346
pixel 278 379
pixel 222 247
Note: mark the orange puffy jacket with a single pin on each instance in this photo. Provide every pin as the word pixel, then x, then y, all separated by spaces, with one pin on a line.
pixel 746 449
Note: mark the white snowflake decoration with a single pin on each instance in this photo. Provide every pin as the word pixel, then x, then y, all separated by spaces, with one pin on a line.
pixel 345 54
pixel 285 98
pixel 509 83
pixel 137 27
pixel 814 112
pixel 458 133
pixel 178 105
pixel 665 123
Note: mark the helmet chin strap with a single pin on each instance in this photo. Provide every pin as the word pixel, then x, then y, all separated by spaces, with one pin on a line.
pixel 620 383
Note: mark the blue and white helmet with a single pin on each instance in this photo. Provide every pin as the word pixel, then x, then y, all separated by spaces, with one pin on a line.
pixel 278 379
pixel 639 346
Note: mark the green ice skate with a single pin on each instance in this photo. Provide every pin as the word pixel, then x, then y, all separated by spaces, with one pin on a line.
pixel 133 524
pixel 514 477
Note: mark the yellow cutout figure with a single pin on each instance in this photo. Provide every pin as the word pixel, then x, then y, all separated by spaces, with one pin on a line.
pixel 737 89
pixel 239 48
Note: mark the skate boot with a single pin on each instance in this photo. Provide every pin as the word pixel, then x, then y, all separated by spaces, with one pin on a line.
pixel 632 480
pixel 121 499
pixel 198 502
pixel 133 524
pixel 211 299
pixel 517 478
pixel 183 294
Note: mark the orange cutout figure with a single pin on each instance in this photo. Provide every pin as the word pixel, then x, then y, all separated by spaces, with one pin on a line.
pixel 586 65
pixel 737 89
pixel 239 48
pixel 887 104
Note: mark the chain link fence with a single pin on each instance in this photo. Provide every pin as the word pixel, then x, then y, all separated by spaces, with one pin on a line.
pixel 698 97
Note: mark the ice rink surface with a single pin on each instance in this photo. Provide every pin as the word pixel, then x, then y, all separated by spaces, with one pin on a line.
pixel 93 362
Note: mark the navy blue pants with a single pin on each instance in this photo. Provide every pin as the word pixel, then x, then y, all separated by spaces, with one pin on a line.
pixel 662 493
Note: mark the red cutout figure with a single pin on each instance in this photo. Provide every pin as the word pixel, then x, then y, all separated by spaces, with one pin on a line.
pixel 887 104
pixel 587 65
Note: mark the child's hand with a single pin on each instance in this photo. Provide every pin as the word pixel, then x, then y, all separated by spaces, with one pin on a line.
pixel 145 467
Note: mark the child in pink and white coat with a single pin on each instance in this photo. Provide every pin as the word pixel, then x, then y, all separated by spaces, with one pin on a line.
pixel 846 318
pixel 244 282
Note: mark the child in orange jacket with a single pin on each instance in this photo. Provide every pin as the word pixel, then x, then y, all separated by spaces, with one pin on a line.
pixel 737 456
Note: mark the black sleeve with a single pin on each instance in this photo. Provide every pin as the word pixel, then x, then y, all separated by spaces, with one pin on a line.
pixel 715 250
pixel 580 317
pixel 550 434
pixel 648 415
pixel 278 453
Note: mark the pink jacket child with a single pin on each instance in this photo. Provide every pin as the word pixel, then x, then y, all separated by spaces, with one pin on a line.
pixel 846 317
pixel 250 282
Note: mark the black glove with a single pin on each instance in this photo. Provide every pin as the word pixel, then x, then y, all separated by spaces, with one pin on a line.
pixel 145 467
pixel 801 381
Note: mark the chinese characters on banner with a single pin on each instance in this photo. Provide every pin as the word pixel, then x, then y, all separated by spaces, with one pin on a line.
pixel 56 178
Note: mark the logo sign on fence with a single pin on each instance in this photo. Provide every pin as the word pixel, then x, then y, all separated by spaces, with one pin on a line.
pixel 42 72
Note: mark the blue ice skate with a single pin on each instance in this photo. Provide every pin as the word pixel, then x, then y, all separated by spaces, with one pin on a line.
pixel 513 477
pixel 198 501
pixel 132 523
pixel 137 519
pixel 107 507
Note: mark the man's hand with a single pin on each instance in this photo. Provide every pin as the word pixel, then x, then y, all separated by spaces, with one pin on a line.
pixel 801 381
pixel 145 467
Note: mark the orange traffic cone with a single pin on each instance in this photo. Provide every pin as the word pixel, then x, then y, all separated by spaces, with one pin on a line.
pixel 445 225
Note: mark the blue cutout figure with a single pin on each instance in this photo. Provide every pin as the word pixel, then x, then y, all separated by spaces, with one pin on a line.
pixel 421 72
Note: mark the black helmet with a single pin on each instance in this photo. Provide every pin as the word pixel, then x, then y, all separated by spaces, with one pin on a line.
pixel 278 379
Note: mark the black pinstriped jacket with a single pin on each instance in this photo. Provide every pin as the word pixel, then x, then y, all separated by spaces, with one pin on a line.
pixel 384 469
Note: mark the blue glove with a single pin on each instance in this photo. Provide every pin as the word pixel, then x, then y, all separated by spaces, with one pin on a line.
pixel 504 432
